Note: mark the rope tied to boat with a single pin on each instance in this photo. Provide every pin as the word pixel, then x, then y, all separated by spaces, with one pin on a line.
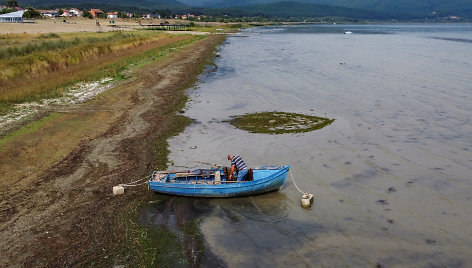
pixel 307 198
pixel 136 182
pixel 120 188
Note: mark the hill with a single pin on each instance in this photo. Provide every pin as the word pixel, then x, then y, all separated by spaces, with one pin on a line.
pixel 144 4
pixel 416 7
pixel 294 9
pixel 361 9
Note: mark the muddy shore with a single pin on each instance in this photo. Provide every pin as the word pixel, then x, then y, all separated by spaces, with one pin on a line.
pixel 57 208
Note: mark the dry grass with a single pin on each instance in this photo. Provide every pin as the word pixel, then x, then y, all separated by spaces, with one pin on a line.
pixel 39 66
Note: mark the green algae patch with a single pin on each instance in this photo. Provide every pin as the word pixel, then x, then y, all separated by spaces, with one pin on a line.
pixel 279 122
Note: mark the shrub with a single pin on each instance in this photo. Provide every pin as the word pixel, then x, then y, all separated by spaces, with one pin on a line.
pixel 31 13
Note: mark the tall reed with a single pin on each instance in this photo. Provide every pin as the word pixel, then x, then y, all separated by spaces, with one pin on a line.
pixel 34 71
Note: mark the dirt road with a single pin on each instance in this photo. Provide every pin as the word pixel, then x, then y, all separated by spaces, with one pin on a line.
pixel 56 203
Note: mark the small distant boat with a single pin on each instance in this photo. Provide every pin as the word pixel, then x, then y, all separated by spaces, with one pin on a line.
pixel 213 182
pixel 347 32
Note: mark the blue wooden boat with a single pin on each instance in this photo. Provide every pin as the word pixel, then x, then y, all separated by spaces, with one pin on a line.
pixel 213 182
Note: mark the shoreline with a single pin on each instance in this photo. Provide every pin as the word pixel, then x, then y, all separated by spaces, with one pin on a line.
pixel 58 207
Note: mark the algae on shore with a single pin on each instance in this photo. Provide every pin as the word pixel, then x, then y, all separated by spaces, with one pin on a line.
pixel 280 122
pixel 56 149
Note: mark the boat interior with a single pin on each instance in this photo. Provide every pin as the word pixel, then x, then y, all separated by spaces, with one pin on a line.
pixel 217 175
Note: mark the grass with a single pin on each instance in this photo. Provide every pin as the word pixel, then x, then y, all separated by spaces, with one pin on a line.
pixel 30 128
pixel 228 27
pixel 179 122
pixel 5 107
pixel 43 69
pixel 136 244
pixel 172 253
pixel 147 245
pixel 140 245
pixel 49 35
pixel 280 122
pixel 161 146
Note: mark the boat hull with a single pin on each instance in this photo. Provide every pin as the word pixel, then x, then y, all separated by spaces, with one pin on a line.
pixel 261 184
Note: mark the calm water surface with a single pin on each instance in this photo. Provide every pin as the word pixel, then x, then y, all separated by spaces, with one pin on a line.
pixel 392 176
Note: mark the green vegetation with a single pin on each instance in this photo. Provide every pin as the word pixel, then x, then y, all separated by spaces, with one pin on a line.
pixel 87 14
pixel 108 5
pixel 34 67
pixel 31 13
pixel 145 245
pixel 226 28
pixel 179 122
pixel 11 3
pixel 280 122
pixel 5 107
pixel 31 127
pixel 131 242
pixel 312 10
pixel 399 9
pixel 161 146
pixel 151 246
pixel 49 35
pixel 285 10
pixel 5 10
pixel 174 251
pixel 409 8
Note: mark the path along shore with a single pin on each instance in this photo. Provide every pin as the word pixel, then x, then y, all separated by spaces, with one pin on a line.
pixel 57 208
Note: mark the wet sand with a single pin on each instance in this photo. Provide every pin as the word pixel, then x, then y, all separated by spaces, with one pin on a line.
pixel 391 176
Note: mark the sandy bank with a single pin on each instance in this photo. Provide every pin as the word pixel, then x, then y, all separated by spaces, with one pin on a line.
pixel 88 25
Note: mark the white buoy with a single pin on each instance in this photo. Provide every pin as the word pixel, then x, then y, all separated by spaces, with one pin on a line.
pixel 307 200
pixel 117 190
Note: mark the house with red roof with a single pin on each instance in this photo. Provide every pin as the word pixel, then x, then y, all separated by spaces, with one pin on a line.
pixel 65 13
pixel 96 12
pixel 112 15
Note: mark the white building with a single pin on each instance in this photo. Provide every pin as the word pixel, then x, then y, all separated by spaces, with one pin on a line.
pixel 151 16
pixel 49 13
pixel 74 12
pixel 12 17
pixel 112 15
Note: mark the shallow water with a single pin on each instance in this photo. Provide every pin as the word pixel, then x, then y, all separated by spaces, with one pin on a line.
pixel 391 176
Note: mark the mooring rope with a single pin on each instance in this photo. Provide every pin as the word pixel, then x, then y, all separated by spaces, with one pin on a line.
pixel 295 183
pixel 307 198
pixel 135 183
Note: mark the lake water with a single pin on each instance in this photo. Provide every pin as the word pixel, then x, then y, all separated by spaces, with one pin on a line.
pixel 392 176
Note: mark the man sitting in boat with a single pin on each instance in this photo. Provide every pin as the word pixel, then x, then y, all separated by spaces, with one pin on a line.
pixel 237 164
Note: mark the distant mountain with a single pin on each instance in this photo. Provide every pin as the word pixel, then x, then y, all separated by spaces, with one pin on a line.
pixel 417 7
pixel 144 4
pixel 365 9
pixel 224 3
pixel 294 9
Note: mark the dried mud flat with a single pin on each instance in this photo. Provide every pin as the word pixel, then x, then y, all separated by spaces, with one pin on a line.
pixel 57 208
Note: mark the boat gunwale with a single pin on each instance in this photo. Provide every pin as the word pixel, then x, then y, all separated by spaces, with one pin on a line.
pixel 233 185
